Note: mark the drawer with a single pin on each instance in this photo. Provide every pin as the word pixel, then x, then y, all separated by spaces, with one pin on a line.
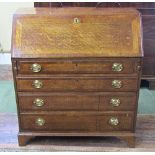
pixel 77 84
pixel 77 121
pixel 76 101
pixel 58 122
pixel 57 101
pixel 122 121
pixel 118 101
pixel 76 66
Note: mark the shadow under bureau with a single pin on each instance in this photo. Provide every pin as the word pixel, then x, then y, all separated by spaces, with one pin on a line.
pixel 77 72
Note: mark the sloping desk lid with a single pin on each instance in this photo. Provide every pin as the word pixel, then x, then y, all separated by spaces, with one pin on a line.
pixel 76 32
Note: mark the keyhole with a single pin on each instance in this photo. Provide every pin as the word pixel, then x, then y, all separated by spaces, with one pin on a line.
pixel 76 20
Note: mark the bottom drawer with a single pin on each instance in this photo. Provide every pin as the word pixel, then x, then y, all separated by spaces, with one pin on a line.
pixel 77 121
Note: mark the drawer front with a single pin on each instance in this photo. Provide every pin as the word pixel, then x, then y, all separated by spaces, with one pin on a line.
pixel 58 122
pixel 118 102
pixel 58 102
pixel 76 101
pixel 75 121
pixel 116 122
pixel 58 67
pixel 78 84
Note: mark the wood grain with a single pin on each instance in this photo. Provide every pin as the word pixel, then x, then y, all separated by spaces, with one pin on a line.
pixel 76 61
pixel 69 122
pixel 76 101
pixel 114 32
pixel 78 84
pixel 78 66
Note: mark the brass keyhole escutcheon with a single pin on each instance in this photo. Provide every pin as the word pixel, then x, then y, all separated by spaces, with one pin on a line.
pixel 36 68
pixel 76 20
pixel 38 102
pixel 116 84
pixel 115 102
pixel 117 67
pixel 37 84
pixel 113 121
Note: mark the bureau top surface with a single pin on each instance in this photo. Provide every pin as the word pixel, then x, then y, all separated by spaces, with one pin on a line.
pixel 76 32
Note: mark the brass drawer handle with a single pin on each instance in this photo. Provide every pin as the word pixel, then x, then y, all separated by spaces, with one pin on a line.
pixel 36 68
pixel 117 67
pixel 113 121
pixel 116 84
pixel 76 21
pixel 115 102
pixel 38 102
pixel 37 84
pixel 40 122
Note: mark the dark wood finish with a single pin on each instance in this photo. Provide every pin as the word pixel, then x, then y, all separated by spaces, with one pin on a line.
pixel 145 138
pixel 127 102
pixel 76 101
pixel 149 47
pixel 129 138
pixel 78 66
pixel 95 4
pixel 147 10
pixel 77 80
pixel 78 84
pixel 23 139
pixel 69 122
pixel 66 122
pixel 125 122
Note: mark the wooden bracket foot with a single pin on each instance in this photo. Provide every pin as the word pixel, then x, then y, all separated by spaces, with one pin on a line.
pixel 24 139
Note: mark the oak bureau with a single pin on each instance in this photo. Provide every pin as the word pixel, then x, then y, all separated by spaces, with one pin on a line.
pixel 77 71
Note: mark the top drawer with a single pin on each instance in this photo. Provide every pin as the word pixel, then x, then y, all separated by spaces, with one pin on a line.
pixel 37 67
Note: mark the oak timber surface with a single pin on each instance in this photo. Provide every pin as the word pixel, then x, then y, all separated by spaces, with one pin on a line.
pixel 89 35
pixel 52 33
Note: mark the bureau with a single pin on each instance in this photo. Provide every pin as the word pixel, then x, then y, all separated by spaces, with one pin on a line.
pixel 77 72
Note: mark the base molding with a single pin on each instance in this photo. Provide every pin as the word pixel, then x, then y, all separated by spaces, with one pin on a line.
pixel 129 138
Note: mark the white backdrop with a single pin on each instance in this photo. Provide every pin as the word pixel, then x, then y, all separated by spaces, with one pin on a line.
pixel 6 12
